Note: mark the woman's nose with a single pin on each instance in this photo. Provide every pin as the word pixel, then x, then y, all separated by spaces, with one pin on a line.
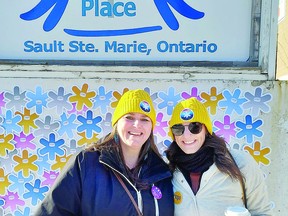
pixel 186 131
pixel 136 122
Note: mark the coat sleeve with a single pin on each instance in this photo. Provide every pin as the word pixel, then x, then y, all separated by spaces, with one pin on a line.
pixel 64 198
pixel 256 191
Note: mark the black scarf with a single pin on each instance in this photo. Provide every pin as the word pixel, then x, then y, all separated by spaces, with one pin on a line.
pixel 199 161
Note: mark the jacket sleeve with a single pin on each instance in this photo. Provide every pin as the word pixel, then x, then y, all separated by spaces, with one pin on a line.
pixel 256 191
pixel 64 198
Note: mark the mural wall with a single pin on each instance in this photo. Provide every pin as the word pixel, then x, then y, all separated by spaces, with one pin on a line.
pixel 44 121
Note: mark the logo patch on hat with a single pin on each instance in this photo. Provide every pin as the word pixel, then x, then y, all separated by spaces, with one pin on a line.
pixel 145 106
pixel 186 114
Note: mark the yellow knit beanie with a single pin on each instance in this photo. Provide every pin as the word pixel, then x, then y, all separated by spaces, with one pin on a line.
pixel 137 101
pixel 191 110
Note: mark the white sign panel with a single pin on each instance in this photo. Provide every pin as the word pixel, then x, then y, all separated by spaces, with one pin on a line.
pixel 128 30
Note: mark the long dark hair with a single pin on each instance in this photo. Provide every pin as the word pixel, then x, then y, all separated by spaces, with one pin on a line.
pixel 112 141
pixel 222 158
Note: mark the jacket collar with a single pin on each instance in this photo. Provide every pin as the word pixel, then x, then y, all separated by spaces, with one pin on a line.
pixel 153 168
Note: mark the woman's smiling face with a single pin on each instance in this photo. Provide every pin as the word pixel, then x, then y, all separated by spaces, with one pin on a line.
pixel 191 143
pixel 133 130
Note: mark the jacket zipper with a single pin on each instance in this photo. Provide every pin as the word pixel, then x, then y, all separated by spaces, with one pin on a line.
pixel 139 197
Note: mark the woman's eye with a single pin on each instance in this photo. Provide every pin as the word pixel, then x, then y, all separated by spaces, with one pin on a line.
pixel 129 117
pixel 145 120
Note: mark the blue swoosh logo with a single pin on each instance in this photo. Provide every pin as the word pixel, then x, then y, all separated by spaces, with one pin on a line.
pixel 181 7
pixel 58 8
pixel 107 33
pixel 42 7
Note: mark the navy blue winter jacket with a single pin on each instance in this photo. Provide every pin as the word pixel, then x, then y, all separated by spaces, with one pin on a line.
pixel 88 187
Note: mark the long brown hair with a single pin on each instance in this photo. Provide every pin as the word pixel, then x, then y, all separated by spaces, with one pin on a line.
pixel 222 158
pixel 112 141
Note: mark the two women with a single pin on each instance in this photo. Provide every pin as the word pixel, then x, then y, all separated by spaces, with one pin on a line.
pixel 208 177
pixel 125 167
pixel 121 169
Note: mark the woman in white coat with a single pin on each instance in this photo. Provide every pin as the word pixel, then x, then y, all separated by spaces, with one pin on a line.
pixel 208 177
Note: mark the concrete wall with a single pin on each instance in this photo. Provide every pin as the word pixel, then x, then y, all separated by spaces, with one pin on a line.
pixel 251 115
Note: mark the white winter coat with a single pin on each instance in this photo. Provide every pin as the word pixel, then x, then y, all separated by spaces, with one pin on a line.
pixel 218 191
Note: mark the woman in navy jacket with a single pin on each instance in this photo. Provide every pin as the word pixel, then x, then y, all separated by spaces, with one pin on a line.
pixel 88 185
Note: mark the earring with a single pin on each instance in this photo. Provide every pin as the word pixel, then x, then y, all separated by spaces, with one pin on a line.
pixel 116 138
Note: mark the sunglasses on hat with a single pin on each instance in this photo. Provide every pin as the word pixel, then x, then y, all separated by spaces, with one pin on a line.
pixel 193 127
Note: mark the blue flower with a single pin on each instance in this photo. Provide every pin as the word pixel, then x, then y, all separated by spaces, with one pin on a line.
pixel 67 125
pixel 106 124
pixel 257 102
pixel 10 123
pixel 60 101
pixel 249 129
pixel 45 128
pixel 38 100
pixel 52 147
pixel 102 100
pixel 169 100
pixel 232 102
pixel 42 162
pixel 18 182
pixel 17 99
pixel 36 192
pixel 89 124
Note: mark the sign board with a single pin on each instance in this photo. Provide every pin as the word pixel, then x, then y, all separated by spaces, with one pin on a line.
pixel 128 30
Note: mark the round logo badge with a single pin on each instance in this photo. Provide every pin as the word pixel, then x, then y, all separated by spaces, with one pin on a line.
pixel 186 114
pixel 156 192
pixel 177 197
pixel 144 105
